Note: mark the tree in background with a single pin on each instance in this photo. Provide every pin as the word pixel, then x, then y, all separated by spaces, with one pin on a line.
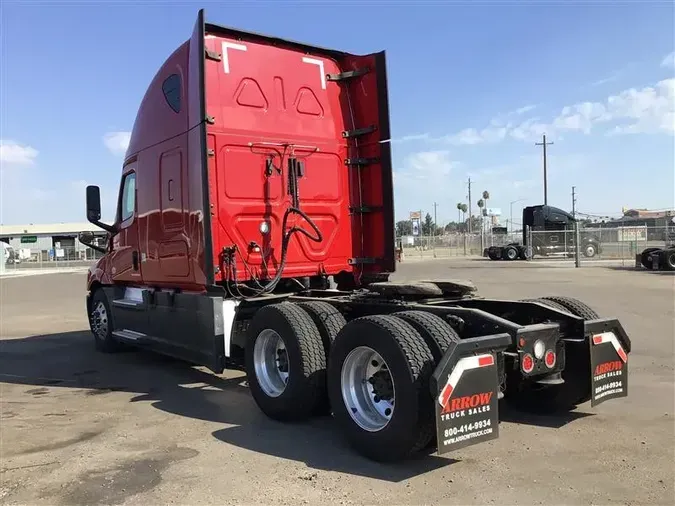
pixel 427 226
pixel 404 227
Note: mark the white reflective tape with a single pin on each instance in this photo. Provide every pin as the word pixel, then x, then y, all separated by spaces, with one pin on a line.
pixel 226 60
pixel 465 364
pixel 610 337
pixel 318 63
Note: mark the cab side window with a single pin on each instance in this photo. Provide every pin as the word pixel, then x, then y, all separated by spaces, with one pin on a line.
pixel 128 203
pixel 171 87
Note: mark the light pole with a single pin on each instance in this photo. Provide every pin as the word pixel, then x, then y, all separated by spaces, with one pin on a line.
pixel 511 212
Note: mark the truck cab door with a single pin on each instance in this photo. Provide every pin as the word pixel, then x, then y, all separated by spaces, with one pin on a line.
pixel 126 259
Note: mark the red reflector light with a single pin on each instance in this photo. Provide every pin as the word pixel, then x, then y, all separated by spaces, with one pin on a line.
pixel 521 342
pixel 485 361
pixel 549 358
pixel 527 364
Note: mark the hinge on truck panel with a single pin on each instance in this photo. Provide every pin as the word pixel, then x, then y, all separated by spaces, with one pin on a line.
pixel 361 261
pixel 365 209
pixel 347 75
pixel 361 161
pixel 212 55
pixel 210 119
pixel 210 152
pixel 358 132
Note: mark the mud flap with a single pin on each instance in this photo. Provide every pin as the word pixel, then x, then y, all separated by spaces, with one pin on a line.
pixel 465 387
pixel 609 368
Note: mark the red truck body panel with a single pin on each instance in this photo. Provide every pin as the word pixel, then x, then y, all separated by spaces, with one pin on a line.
pixel 223 107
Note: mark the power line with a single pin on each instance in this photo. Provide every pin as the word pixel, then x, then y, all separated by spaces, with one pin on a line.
pixel 544 144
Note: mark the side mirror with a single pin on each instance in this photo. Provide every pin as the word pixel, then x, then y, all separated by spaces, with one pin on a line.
pixel 89 240
pixel 94 209
pixel 93 203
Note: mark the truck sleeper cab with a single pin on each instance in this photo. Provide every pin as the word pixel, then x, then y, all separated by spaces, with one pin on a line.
pixel 258 170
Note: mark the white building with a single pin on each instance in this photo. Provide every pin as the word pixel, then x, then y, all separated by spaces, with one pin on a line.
pixel 42 242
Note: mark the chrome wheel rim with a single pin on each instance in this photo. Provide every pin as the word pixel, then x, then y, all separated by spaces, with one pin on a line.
pixel 270 359
pixel 367 389
pixel 99 321
pixel 590 250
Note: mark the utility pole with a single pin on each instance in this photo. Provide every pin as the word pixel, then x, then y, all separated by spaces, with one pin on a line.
pixel 469 223
pixel 435 222
pixel 574 203
pixel 544 144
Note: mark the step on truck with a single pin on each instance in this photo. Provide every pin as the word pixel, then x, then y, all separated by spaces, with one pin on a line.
pixel 255 231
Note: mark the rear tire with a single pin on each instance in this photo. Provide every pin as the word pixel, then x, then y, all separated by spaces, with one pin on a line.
pixel 285 362
pixel 510 253
pixel 434 330
pixel 329 321
pixel 438 335
pixel 403 372
pixel 645 257
pixel 669 260
pixel 576 390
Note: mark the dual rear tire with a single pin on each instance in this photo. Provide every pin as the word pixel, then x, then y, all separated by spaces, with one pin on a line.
pixel 373 373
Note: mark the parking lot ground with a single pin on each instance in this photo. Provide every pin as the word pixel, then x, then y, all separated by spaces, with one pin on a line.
pixel 79 427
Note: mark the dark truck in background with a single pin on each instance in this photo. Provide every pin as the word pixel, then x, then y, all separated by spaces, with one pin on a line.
pixel 552 234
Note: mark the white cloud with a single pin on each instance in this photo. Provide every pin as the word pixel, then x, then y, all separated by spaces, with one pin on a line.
pixel 647 110
pixel 117 142
pixel 669 61
pixel 408 138
pixel 426 164
pixel 524 109
pixel 606 80
pixel 12 153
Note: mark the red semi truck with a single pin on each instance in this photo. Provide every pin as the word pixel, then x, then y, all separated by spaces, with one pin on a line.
pixel 258 170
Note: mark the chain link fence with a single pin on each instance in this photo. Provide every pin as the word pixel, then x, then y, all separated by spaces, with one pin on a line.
pixel 52 258
pixel 617 243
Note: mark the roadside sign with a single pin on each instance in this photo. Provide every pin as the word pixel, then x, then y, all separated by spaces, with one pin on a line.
pixel 628 234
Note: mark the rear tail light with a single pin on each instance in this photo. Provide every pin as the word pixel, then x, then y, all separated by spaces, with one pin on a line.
pixel 527 363
pixel 549 359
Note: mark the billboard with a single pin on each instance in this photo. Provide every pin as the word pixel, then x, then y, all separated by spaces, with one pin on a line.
pixel 415 218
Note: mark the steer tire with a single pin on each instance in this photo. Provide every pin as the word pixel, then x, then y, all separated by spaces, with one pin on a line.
pixel 329 321
pixel 577 387
pixel 101 317
pixel 410 364
pixel 306 385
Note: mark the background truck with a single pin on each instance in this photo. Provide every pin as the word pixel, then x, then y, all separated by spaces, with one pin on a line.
pixel 258 171
pixel 552 235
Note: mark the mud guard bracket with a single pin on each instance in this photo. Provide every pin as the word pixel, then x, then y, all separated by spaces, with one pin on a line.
pixel 465 389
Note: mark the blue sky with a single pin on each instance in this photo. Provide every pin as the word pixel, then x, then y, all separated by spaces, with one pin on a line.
pixel 472 87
